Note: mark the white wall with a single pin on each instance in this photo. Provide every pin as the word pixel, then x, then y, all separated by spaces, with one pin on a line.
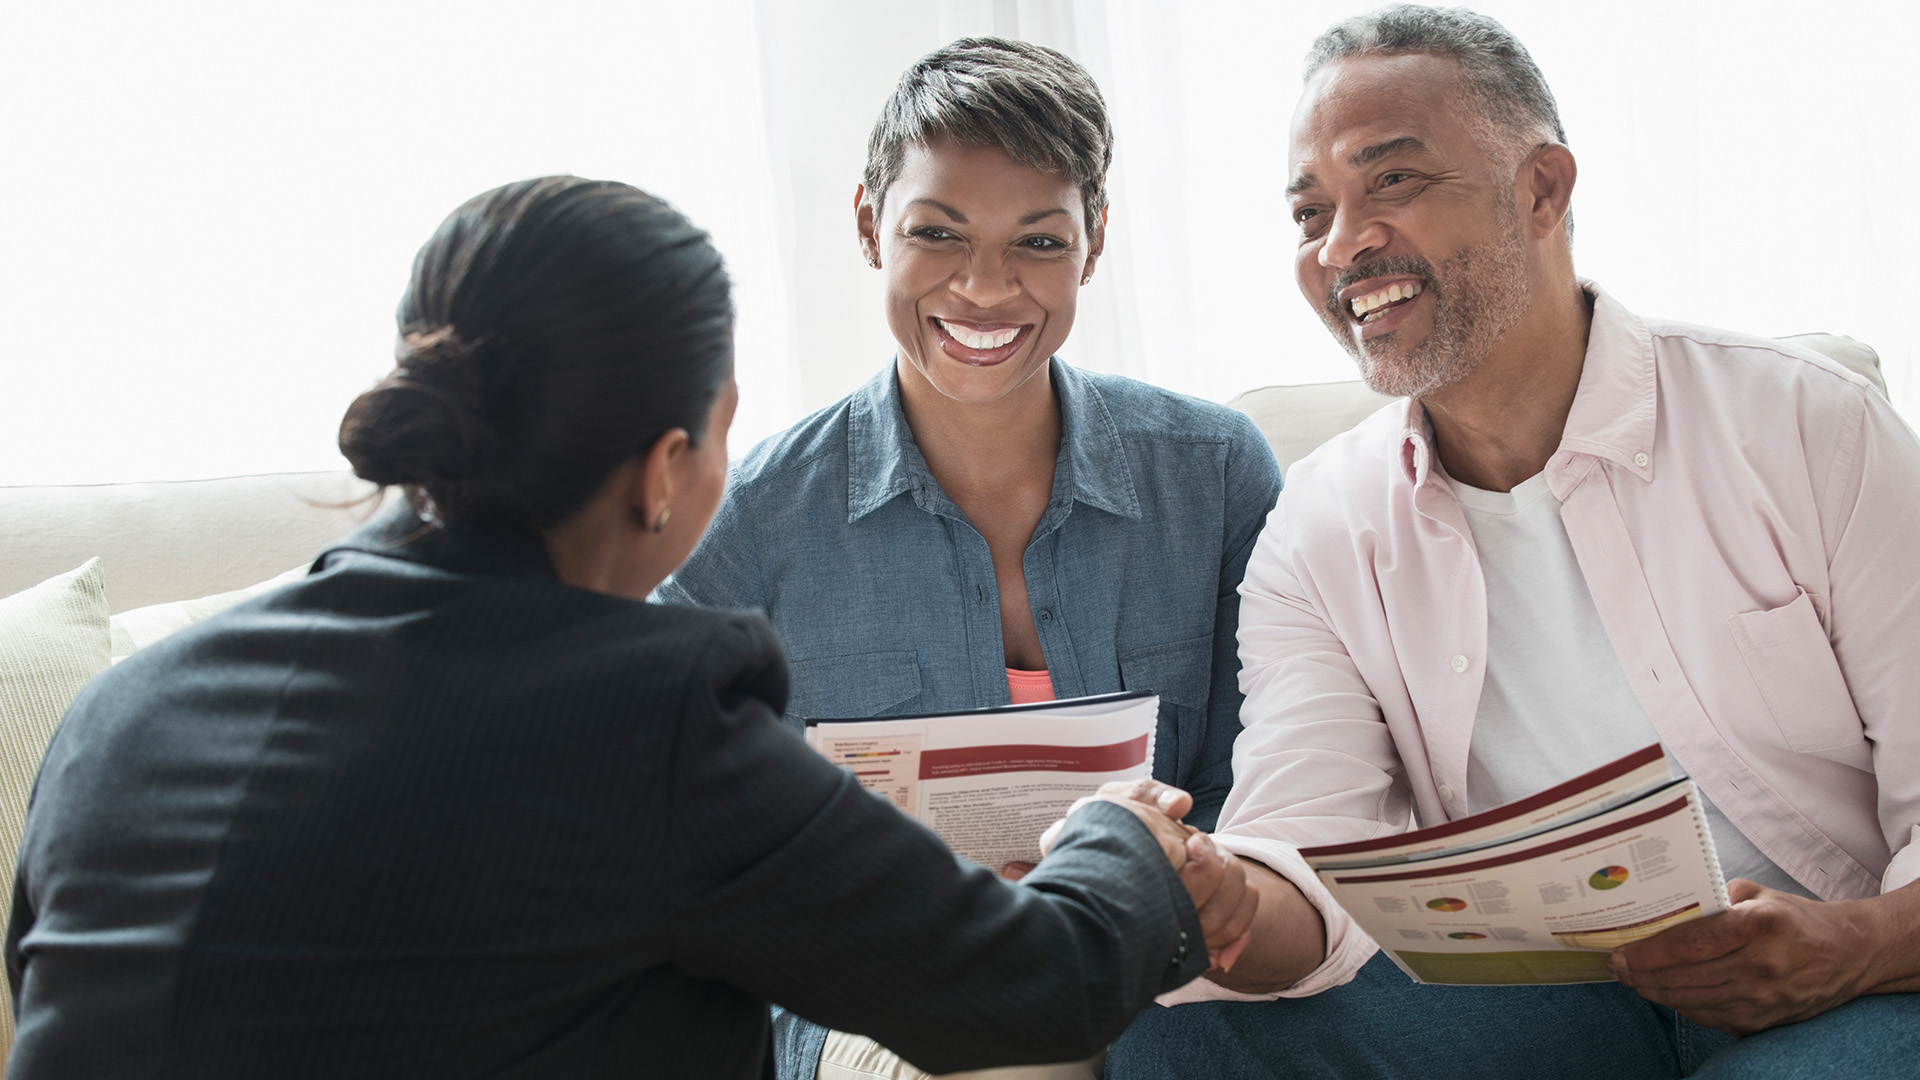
pixel 210 205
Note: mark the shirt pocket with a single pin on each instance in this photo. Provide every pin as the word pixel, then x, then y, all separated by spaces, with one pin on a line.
pixel 1181 672
pixel 1791 661
pixel 851 687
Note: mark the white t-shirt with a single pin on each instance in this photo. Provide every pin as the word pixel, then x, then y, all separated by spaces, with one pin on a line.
pixel 1555 702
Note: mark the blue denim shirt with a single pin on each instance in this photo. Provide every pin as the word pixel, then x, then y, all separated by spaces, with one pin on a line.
pixel 884 593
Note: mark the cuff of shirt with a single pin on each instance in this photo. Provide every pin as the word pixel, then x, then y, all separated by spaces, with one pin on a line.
pixel 1905 867
pixel 1348 946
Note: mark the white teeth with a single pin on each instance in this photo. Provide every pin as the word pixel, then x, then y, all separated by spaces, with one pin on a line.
pixel 1362 305
pixel 975 340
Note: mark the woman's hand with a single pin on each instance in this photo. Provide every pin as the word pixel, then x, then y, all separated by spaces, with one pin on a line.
pixel 1215 879
pixel 1158 806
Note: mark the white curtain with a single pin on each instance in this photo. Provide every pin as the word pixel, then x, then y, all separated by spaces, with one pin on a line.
pixel 1742 164
pixel 210 205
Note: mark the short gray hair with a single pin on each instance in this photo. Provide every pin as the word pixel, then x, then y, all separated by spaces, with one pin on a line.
pixel 1035 103
pixel 1510 96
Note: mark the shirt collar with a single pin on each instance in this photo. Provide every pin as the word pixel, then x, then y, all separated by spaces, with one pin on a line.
pixel 483 547
pixel 1615 407
pixel 883 461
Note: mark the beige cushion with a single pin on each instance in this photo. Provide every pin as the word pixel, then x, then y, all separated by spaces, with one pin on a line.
pixel 1297 419
pixel 53 638
pixel 847 1056
pixel 141 627
pixel 1856 355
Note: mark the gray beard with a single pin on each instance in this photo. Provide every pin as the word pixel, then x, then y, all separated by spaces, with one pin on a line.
pixel 1478 295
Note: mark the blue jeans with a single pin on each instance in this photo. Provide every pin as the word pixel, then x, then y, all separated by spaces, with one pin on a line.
pixel 1383 1025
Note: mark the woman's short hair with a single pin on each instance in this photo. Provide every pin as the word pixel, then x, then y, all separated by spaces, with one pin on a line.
pixel 552 329
pixel 1035 103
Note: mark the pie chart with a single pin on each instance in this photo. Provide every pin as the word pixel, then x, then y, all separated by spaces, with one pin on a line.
pixel 1466 935
pixel 1608 877
pixel 1451 903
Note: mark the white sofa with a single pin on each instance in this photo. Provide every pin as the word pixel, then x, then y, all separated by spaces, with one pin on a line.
pixel 88 574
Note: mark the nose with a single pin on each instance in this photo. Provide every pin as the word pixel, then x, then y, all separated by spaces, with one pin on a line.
pixel 1350 239
pixel 986 280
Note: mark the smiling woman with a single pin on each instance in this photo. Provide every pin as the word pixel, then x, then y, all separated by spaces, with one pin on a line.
pixel 985 257
pixel 983 523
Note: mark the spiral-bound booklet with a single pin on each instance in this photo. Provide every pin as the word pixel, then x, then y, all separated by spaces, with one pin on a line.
pixel 1539 890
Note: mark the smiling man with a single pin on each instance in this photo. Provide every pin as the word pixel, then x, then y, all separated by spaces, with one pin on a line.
pixel 1583 532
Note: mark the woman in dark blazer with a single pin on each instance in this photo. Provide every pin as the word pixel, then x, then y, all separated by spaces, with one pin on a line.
pixel 461 804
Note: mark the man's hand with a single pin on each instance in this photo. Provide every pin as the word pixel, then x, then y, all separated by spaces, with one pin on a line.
pixel 1215 879
pixel 1772 958
pixel 1287 941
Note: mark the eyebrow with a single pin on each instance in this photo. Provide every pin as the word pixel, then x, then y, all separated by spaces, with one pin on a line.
pixel 1361 158
pixel 961 219
pixel 1367 155
pixel 956 215
pixel 1041 215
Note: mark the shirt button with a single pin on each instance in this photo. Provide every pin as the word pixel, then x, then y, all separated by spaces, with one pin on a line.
pixel 1640 460
pixel 1459 662
pixel 1446 793
pixel 1046 615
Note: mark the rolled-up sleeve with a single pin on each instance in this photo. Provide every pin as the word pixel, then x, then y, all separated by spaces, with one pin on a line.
pixel 1314 763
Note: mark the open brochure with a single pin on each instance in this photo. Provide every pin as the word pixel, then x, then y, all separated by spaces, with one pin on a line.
pixel 1539 890
pixel 989 781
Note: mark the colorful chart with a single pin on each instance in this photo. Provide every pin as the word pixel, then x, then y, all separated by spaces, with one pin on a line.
pixel 1608 877
pixel 1450 903
pixel 1466 935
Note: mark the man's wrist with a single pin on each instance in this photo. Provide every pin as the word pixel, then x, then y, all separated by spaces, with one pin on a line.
pixel 1289 937
pixel 1890 940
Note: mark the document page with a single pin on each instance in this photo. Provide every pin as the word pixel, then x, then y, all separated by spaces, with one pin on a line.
pixel 1547 903
pixel 990 781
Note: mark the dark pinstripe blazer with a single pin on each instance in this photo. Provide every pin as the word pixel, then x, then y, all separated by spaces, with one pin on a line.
pixel 431 812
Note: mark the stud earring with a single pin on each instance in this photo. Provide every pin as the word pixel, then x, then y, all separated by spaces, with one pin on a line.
pixel 660 523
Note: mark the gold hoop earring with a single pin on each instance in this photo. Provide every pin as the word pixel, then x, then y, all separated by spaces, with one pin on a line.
pixel 660 523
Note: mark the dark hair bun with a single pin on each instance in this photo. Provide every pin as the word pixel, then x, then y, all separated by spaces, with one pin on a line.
pixel 425 425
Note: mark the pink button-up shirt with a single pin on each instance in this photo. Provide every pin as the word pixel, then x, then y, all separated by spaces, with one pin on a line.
pixel 1747 517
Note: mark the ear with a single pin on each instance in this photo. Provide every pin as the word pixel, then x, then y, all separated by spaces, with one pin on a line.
pixel 1096 244
pixel 650 486
pixel 1545 187
pixel 867 224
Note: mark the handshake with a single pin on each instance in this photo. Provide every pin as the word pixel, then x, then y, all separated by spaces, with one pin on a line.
pixel 1214 877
